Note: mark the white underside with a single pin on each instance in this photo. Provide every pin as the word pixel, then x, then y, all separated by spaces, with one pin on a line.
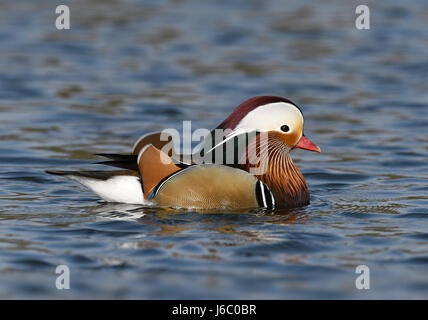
pixel 123 189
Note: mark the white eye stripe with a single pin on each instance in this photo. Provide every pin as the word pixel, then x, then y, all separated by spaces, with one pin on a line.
pixel 272 116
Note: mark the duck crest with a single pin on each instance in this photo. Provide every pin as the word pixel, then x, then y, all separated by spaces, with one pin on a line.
pixel 269 160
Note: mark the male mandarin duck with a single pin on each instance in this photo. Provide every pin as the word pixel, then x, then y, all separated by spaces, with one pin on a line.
pixel 254 171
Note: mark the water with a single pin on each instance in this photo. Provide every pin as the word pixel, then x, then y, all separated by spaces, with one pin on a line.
pixel 129 67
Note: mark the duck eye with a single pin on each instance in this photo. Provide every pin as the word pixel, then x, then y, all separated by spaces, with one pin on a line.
pixel 285 128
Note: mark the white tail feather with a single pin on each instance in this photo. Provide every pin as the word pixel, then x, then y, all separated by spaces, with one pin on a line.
pixel 123 189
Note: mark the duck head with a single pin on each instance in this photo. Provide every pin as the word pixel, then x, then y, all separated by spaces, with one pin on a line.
pixel 277 116
pixel 281 122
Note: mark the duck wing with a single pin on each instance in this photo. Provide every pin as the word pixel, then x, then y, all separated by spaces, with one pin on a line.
pixel 154 165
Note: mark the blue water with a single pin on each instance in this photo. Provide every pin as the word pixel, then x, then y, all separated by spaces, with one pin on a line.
pixel 128 67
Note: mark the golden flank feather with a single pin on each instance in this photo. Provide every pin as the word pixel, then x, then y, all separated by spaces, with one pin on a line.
pixel 208 187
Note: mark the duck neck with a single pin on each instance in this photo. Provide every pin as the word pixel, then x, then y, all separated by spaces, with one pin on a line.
pixel 282 176
pixel 286 182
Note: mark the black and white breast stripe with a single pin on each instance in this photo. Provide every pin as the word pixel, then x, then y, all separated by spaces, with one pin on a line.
pixel 264 197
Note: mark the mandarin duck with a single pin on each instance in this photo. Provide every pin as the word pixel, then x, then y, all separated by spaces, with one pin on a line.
pixel 243 163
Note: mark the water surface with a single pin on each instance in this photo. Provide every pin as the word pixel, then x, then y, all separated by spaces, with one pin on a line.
pixel 128 67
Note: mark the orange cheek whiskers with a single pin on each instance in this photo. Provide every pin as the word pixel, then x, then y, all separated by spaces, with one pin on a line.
pixel 269 160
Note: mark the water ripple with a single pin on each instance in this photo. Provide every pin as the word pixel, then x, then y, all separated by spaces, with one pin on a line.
pixel 126 68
